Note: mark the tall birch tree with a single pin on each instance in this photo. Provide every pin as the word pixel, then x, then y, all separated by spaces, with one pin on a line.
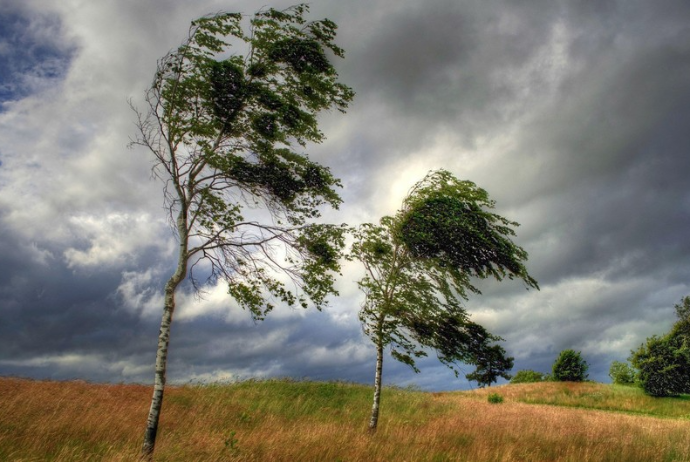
pixel 227 132
pixel 419 266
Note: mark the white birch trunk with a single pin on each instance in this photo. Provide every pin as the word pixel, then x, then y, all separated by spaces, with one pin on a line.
pixel 164 341
pixel 373 422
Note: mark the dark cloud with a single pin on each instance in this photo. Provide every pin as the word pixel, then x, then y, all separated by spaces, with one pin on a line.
pixel 50 311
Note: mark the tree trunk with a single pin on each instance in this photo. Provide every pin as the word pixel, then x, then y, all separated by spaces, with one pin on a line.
pixel 373 422
pixel 164 341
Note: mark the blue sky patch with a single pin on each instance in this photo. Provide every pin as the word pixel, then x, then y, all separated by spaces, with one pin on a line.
pixel 33 52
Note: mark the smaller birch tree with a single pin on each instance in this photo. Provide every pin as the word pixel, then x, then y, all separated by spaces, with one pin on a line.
pixel 418 270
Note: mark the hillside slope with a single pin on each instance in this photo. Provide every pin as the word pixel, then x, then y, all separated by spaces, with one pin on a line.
pixel 282 420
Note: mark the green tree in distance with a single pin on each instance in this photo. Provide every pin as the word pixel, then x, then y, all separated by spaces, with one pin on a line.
pixel 226 130
pixel 683 310
pixel 621 373
pixel 491 363
pixel 663 363
pixel 418 268
pixel 528 376
pixel 570 367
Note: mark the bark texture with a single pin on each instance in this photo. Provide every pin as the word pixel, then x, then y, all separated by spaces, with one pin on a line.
pixel 373 422
pixel 164 342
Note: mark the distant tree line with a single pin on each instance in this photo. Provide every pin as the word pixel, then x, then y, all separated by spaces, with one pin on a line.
pixel 660 366
pixel 569 366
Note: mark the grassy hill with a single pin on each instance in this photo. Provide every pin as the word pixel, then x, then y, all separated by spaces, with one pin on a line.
pixel 281 420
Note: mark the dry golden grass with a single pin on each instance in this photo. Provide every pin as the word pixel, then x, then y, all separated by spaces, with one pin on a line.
pixel 306 421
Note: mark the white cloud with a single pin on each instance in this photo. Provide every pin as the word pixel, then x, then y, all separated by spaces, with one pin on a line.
pixel 341 355
pixel 593 314
pixel 140 295
pixel 261 346
pixel 75 364
pixel 214 302
pixel 215 376
pixel 115 239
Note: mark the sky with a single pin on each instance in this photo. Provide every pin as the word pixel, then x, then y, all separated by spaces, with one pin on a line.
pixel 573 115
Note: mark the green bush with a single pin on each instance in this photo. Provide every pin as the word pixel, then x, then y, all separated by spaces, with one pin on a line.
pixel 622 373
pixel 664 366
pixel 528 376
pixel 570 367
pixel 495 398
pixel 664 362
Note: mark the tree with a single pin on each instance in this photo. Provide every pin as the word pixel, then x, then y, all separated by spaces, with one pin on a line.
pixel 570 367
pixel 528 376
pixel 663 363
pixel 683 309
pixel 491 363
pixel 225 130
pixel 663 367
pixel 418 268
pixel 621 373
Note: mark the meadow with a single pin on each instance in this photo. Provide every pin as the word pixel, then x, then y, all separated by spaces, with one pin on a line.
pixel 284 420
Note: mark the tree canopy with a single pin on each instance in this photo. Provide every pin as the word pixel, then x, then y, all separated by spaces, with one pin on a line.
pixel 622 373
pixel 569 366
pixel 227 133
pixel 418 269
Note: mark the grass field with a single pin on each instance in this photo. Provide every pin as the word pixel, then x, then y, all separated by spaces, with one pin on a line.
pixel 283 420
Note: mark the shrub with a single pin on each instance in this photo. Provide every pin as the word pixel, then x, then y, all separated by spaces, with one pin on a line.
pixel 495 398
pixel 622 373
pixel 570 367
pixel 528 376
pixel 664 366
pixel 664 362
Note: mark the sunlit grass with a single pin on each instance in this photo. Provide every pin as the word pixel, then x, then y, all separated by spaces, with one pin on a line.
pixel 589 395
pixel 283 420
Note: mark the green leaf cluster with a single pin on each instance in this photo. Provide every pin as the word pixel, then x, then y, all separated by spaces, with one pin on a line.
pixel 495 398
pixel 622 373
pixel 528 376
pixel 230 112
pixel 491 364
pixel 449 222
pixel 241 114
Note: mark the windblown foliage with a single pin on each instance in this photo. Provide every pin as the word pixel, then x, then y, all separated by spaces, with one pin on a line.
pixel 419 264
